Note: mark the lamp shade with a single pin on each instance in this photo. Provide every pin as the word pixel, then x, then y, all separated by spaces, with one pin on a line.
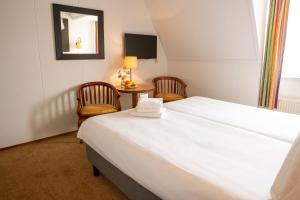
pixel 130 62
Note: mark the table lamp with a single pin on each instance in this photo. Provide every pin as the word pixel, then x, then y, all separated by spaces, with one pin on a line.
pixel 130 62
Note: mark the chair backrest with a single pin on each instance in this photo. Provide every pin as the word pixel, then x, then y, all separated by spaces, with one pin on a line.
pixel 168 84
pixel 98 93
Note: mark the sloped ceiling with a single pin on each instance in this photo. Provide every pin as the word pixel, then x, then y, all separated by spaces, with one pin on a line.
pixel 206 30
pixel 215 46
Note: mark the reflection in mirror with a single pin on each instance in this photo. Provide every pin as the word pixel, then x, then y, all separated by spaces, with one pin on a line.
pixel 79 33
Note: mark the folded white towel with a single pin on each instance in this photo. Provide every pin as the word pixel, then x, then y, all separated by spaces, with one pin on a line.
pixel 144 95
pixel 148 110
pixel 150 103
pixel 149 115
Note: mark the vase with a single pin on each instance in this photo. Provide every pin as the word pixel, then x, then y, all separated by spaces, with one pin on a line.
pixel 122 83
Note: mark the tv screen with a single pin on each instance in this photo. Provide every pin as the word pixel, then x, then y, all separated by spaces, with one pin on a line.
pixel 142 46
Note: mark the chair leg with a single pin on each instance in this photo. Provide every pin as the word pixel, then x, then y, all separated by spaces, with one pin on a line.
pixel 96 172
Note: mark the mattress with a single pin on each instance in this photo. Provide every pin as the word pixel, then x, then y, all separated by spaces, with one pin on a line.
pixel 188 156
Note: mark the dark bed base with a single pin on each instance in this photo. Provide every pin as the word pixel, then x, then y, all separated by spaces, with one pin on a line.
pixel 127 185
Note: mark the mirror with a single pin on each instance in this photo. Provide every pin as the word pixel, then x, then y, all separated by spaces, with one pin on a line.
pixel 78 33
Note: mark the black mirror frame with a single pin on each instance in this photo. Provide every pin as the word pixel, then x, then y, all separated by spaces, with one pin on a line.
pixel 57 8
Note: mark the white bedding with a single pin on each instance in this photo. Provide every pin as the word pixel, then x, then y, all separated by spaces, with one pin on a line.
pixel 287 183
pixel 187 156
pixel 283 126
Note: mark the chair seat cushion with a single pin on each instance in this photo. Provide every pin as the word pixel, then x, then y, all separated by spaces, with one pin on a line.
pixel 169 96
pixel 97 109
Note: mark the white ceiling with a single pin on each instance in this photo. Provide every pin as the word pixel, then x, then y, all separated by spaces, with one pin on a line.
pixel 205 30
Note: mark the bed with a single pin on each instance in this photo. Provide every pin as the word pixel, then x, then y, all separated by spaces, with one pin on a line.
pixel 201 149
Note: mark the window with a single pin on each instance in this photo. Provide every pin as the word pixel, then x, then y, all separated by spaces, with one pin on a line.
pixel 291 60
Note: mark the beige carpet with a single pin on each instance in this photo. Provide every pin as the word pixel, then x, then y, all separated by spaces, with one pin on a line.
pixel 54 169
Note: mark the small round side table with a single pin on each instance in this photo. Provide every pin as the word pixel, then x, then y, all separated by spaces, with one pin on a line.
pixel 140 88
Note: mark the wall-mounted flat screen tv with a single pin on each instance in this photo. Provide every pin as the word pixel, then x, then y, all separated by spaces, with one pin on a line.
pixel 142 46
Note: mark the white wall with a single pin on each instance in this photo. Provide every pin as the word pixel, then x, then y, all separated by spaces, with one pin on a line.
pixel 260 10
pixel 37 92
pixel 234 81
pixel 212 45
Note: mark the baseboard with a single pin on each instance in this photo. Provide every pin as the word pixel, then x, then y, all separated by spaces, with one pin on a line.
pixel 38 140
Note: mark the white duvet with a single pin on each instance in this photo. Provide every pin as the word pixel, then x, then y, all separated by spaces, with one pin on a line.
pixel 188 156
pixel 283 126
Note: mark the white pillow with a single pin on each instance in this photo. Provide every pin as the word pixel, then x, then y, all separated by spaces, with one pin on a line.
pixel 287 183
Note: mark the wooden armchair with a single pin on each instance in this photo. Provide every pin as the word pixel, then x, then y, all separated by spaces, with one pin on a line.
pixel 169 88
pixel 96 98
